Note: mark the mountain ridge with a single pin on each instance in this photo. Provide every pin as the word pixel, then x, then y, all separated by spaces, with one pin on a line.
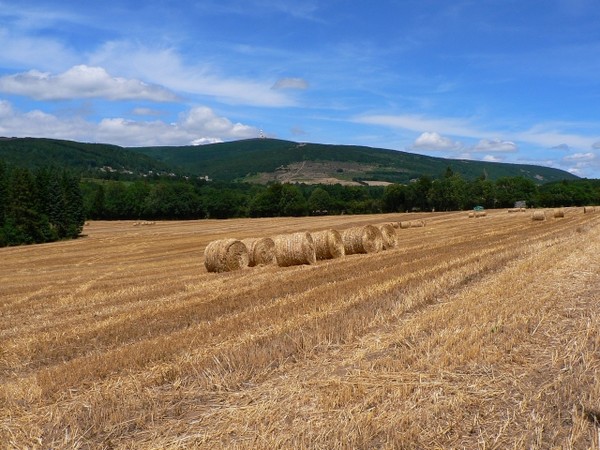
pixel 263 160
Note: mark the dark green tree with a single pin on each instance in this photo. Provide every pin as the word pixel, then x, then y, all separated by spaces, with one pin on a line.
pixel 292 202
pixel 512 189
pixel 394 198
pixel 24 224
pixel 481 192
pixel 173 200
pixel 116 205
pixel 266 203
pixel 319 201
pixel 93 197
pixel 223 203
pixel 74 207
pixel 135 197
pixel 3 192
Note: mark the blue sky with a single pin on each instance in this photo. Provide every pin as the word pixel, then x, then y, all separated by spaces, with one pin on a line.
pixel 497 80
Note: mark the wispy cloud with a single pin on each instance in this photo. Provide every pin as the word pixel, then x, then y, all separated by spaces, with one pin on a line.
pixel 166 67
pixel 495 145
pixel 451 126
pixel 291 83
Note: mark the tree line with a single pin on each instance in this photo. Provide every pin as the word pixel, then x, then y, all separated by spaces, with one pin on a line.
pixel 50 204
pixel 166 198
pixel 41 206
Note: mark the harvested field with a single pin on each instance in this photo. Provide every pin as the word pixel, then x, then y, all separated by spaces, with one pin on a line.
pixel 468 334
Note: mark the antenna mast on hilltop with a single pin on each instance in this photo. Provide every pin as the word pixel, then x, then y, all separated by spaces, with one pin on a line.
pixel 261 135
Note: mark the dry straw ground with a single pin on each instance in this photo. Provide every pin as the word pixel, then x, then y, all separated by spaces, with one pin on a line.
pixel 468 334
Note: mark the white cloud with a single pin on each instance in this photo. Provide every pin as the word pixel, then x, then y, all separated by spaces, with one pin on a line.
pixel 291 83
pixel 434 141
pixel 581 157
pixel 496 145
pixel 198 125
pixel 596 145
pixel 581 163
pixel 165 67
pixel 547 135
pixel 491 158
pixel 81 82
pixel 6 110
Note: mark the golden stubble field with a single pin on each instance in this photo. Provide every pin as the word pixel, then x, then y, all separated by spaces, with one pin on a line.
pixel 472 333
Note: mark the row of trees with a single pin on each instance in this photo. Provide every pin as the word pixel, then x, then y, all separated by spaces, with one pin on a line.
pixel 51 204
pixel 178 199
pixel 41 206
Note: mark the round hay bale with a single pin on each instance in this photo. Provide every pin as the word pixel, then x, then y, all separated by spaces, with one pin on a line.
pixel 417 223
pixel 396 224
pixel 538 215
pixel 294 249
pixel 328 244
pixel 559 213
pixel 514 210
pixel 389 235
pixel 480 213
pixel 471 215
pixel 261 251
pixel 405 224
pixel 588 209
pixel 225 255
pixel 367 239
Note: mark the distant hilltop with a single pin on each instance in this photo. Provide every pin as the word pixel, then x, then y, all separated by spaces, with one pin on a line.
pixel 263 160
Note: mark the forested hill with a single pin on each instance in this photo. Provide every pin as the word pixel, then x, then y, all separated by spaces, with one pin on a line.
pixel 245 159
pixel 261 160
pixel 34 153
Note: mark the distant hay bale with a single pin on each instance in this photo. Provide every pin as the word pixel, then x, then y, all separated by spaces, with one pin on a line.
pixel 588 209
pixel 538 215
pixel 261 251
pixel 480 213
pixel 396 224
pixel 405 224
pixel 514 210
pixel 559 213
pixel 225 255
pixel 367 239
pixel 389 235
pixel 417 223
pixel 471 214
pixel 294 249
pixel 328 244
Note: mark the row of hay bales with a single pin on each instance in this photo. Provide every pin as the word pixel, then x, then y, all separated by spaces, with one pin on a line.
pixel 301 248
pixel 540 214
pixel 477 214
